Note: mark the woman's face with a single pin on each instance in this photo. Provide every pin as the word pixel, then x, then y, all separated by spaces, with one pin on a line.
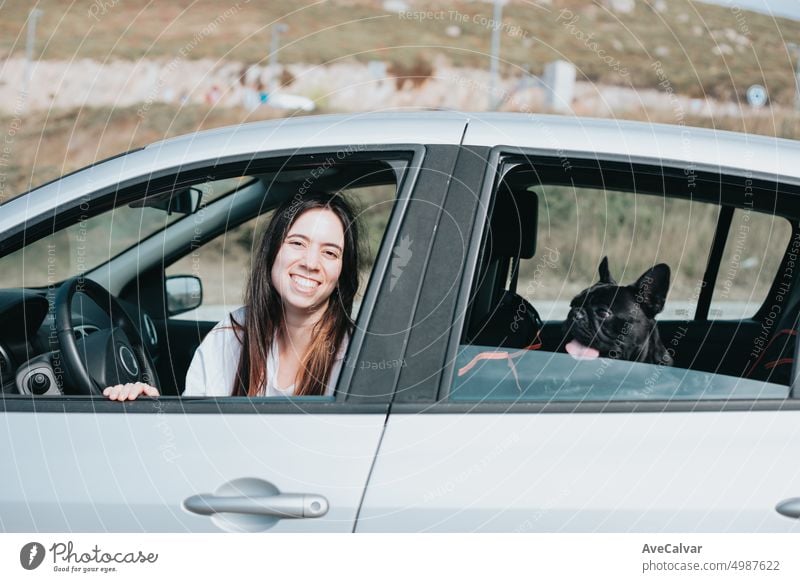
pixel 308 264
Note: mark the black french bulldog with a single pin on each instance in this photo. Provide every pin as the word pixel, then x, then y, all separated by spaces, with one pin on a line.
pixel 612 321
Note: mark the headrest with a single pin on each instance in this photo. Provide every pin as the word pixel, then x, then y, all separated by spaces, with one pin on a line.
pixel 514 220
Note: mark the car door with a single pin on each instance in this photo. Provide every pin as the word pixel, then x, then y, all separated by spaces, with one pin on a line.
pixel 76 463
pixel 496 461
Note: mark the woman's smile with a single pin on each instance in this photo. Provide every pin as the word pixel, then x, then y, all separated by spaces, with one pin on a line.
pixel 304 284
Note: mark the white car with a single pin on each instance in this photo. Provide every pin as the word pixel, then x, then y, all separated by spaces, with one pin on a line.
pixel 437 424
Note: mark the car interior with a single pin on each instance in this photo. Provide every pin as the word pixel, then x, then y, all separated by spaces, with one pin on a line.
pixel 759 347
pixel 58 336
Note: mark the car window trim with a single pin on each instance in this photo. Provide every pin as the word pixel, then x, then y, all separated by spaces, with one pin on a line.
pixel 380 269
pixel 177 405
pixel 475 251
pixel 393 327
pixel 596 407
pixel 711 272
pixel 340 401
pixel 426 345
pixel 634 160
pixel 476 247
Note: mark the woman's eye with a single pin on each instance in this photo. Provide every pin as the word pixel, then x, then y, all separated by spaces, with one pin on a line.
pixel 295 243
pixel 331 254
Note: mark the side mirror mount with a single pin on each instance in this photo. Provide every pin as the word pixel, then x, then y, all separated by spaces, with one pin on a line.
pixel 184 293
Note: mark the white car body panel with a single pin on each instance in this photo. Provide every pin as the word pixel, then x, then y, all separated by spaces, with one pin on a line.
pixel 109 472
pixel 585 472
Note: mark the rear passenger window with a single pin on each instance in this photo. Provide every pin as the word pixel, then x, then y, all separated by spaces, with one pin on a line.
pixel 594 286
pixel 753 252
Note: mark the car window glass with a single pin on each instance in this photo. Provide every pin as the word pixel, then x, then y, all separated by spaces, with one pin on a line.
pixel 753 251
pixel 94 240
pixel 541 376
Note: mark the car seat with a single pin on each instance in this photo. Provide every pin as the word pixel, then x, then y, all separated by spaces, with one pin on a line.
pixel 776 361
pixel 509 321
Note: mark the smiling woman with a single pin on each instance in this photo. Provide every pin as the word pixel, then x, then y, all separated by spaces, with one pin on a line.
pixel 298 301
pixel 290 337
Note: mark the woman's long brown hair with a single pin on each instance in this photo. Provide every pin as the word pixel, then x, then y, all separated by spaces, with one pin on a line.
pixel 264 314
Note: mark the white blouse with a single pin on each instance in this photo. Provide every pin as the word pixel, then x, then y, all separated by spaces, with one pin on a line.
pixel 213 368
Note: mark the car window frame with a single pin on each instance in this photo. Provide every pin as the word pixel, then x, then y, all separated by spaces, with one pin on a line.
pixel 469 276
pixel 343 402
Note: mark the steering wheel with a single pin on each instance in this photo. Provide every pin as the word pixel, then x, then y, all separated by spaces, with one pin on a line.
pixel 106 357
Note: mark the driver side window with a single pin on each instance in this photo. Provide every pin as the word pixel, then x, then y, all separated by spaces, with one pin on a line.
pixel 220 255
pixel 192 224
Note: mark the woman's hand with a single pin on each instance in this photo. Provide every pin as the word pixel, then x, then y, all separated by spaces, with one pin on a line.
pixel 130 391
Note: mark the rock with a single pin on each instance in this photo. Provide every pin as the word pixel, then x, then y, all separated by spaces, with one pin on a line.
pixel 621 6
pixel 736 38
pixel 396 6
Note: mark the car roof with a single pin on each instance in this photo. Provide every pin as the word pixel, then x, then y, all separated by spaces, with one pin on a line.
pixel 633 141
pixel 584 137
pixel 549 134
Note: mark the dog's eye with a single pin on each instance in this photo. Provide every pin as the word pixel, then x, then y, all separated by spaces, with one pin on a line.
pixel 604 313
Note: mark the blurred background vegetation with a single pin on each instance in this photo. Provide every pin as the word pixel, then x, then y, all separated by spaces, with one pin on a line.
pixel 705 51
pixel 695 42
pixel 580 226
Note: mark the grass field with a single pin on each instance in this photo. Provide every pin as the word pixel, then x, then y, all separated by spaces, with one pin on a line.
pixel 703 49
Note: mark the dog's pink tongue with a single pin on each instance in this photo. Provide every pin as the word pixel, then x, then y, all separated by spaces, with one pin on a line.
pixel 581 352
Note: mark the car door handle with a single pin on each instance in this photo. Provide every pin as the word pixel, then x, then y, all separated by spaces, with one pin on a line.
pixel 789 507
pixel 282 506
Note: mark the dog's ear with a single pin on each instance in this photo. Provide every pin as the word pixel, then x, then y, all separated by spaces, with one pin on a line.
pixel 651 289
pixel 605 274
